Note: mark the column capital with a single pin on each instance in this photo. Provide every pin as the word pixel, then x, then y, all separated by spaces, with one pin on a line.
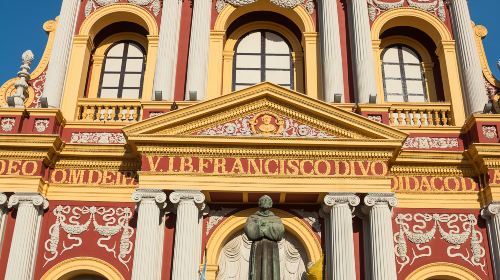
pixel 491 210
pixel 333 199
pixel 28 198
pixel 197 197
pixel 150 194
pixel 3 199
pixel 388 199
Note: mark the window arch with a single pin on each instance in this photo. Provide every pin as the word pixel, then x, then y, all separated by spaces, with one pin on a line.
pixel 263 55
pixel 123 70
pixel 403 75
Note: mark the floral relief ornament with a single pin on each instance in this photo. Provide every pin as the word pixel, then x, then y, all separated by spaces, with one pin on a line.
pixel 430 143
pixel 74 221
pixel 454 229
pixel 8 124
pixel 153 5
pixel 490 131
pixel 41 125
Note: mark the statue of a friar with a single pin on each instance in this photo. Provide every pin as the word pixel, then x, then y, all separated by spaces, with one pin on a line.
pixel 264 229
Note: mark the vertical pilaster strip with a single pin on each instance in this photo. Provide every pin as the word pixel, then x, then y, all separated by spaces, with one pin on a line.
pixel 468 57
pixel 3 216
pixel 197 70
pixel 168 48
pixel 30 208
pixel 492 215
pixel 59 56
pixel 148 242
pixel 382 246
pixel 333 72
pixel 341 248
pixel 188 234
pixel 361 49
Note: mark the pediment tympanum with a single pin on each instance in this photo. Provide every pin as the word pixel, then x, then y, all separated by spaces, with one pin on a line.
pixel 263 111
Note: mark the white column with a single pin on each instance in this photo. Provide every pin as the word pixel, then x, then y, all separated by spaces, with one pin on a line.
pixel 361 50
pixel 188 234
pixel 30 208
pixel 59 56
pixel 333 77
pixel 197 70
pixel 383 262
pixel 492 215
pixel 468 57
pixel 341 239
pixel 168 48
pixel 3 215
pixel 148 242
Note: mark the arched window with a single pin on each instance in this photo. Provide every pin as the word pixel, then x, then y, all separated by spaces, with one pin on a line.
pixel 123 71
pixel 263 56
pixel 403 75
pixel 88 277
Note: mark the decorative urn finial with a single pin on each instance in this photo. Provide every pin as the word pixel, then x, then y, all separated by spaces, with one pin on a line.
pixel 21 84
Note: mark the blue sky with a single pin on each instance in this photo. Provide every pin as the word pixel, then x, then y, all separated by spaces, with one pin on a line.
pixel 23 30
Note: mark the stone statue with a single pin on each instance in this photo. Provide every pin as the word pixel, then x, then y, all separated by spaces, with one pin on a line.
pixel 264 229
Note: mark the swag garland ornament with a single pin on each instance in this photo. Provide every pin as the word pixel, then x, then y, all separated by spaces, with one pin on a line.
pixel 287 4
pixel 153 5
pixel 70 221
pixel 376 7
pixel 461 228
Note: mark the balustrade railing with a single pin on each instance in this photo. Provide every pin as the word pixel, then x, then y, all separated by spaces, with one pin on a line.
pixel 421 115
pixel 99 110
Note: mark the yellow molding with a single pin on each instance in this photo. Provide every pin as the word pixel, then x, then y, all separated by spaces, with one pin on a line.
pixel 442 270
pixel 73 267
pixel 440 200
pixel 117 13
pixel 7 89
pixel 236 222
pixel 89 193
pixel 33 184
pixel 254 183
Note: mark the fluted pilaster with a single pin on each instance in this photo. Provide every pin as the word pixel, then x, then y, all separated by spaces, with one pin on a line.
pixel 168 48
pixel 333 77
pixel 187 249
pixel 197 72
pixel 341 241
pixel 59 57
pixel 468 57
pixel 3 214
pixel 148 242
pixel 30 207
pixel 492 215
pixel 361 49
pixel 383 262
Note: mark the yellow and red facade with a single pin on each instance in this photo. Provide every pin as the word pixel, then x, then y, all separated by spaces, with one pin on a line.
pixel 234 147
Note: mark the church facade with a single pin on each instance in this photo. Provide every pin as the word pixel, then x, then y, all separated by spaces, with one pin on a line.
pixel 141 143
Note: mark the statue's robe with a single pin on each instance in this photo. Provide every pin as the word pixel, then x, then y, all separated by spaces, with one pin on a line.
pixel 264 230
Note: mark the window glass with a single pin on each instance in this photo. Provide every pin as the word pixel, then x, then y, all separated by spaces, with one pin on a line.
pixel 403 75
pixel 123 71
pixel 262 56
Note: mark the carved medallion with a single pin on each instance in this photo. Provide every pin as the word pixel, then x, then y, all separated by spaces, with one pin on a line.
pixel 267 124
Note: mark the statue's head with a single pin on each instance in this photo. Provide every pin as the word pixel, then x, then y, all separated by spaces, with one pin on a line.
pixel 265 202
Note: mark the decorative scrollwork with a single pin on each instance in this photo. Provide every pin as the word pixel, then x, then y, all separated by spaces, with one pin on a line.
pixel 153 5
pixel 376 7
pixel 381 198
pixel 197 197
pixel 458 230
pixel 70 220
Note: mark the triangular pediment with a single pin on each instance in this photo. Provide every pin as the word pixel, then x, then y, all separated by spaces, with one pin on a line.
pixel 263 111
